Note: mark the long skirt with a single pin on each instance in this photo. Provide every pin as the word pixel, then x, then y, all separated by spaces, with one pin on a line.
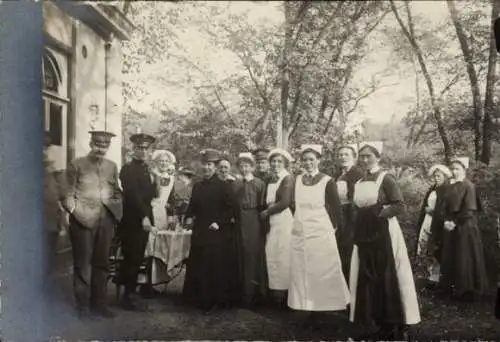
pixel 253 258
pixel 381 279
pixel 317 282
pixel 212 272
pixel 463 268
pixel 345 239
pixel 278 247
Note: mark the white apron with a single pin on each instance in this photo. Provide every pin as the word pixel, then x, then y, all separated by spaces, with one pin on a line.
pixel 316 280
pixel 278 242
pixel 159 205
pixel 158 246
pixel 366 194
pixel 423 239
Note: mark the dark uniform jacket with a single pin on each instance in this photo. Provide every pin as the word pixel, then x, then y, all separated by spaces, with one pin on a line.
pixel 139 190
pixel 93 185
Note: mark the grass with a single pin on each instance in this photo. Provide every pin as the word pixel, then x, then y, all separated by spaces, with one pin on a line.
pixel 169 319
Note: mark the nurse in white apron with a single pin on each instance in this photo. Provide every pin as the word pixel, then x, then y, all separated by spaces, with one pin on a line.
pixel 381 279
pixel 163 162
pixel 431 226
pixel 317 283
pixel 280 220
pixel 157 247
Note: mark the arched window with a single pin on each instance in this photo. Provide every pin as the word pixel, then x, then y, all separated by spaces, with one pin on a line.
pixel 51 73
pixel 56 102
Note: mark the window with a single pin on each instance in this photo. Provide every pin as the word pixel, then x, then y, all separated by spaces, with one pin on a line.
pixel 51 73
pixel 56 103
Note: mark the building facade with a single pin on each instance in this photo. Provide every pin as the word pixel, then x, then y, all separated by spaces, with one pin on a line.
pixel 82 67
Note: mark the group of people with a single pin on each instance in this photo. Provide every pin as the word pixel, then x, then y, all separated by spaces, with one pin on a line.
pixel 450 250
pixel 310 242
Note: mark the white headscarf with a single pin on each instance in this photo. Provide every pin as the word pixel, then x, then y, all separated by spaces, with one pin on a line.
pixel 443 168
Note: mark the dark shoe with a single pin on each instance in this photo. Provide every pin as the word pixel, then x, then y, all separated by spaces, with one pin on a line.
pixel 103 312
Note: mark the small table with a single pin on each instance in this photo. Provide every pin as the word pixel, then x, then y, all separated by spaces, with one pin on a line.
pixel 167 250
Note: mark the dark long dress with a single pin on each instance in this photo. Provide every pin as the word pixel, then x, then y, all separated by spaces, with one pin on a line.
pixel 250 197
pixel 345 229
pixel 210 273
pixel 463 267
pixel 379 295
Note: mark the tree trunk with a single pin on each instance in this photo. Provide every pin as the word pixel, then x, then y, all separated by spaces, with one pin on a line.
pixel 282 122
pixel 436 109
pixel 411 137
pixel 489 105
pixel 471 71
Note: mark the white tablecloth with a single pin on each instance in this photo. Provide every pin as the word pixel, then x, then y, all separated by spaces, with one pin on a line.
pixel 169 249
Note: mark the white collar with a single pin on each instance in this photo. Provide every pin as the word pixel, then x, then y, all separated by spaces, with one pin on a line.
pixel 374 169
pixel 313 174
pixel 282 173
pixel 248 178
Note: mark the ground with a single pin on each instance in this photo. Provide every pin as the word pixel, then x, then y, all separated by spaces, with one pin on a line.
pixel 169 319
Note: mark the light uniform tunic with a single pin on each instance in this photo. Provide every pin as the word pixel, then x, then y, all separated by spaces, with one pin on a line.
pixel 317 282
pixel 278 241
pixel 366 196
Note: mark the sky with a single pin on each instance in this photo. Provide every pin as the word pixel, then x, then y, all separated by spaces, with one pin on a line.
pixel 387 103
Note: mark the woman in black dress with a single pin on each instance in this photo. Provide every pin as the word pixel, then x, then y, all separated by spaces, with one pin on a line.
pixel 430 226
pixel 381 280
pixel 249 191
pixel 463 269
pixel 211 213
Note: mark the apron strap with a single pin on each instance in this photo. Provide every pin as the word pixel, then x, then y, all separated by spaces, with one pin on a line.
pixel 380 179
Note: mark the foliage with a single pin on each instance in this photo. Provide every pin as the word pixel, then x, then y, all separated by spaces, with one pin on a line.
pixel 246 101
pixel 453 70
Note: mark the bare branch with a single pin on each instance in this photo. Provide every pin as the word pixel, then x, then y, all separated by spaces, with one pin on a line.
pixel 374 88
pixel 215 88
pixel 450 84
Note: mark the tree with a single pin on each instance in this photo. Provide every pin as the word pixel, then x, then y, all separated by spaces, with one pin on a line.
pixel 468 55
pixel 310 59
pixel 410 35
pixel 491 78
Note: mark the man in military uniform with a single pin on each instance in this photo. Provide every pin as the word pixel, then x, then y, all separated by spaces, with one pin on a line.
pixel 93 200
pixel 262 170
pixel 139 189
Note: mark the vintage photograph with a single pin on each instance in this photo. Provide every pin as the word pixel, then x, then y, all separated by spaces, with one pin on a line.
pixel 271 170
